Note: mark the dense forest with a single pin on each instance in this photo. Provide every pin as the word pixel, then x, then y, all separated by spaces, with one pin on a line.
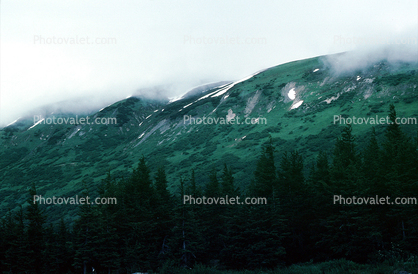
pixel 151 229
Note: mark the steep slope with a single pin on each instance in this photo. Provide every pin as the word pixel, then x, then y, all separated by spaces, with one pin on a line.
pixel 296 103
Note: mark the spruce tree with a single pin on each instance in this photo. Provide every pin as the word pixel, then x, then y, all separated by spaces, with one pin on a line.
pixel 187 243
pixel 343 233
pixel 265 177
pixel 255 231
pixel 400 176
pixel 86 235
pixel 227 183
pixel 293 197
pixel 18 255
pixel 212 221
pixel 163 209
pixel 35 231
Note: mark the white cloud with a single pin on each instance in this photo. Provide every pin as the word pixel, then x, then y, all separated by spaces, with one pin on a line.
pixel 153 43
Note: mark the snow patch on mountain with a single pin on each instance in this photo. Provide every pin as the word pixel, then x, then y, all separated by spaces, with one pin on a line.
pixel 233 84
pixel 13 122
pixel 231 115
pixel 296 105
pixel 187 105
pixel 37 123
pixel 292 94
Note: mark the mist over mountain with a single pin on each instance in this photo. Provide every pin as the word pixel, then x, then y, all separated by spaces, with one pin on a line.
pixel 360 60
pixel 153 43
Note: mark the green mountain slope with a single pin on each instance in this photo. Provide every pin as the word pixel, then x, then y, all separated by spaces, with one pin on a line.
pixel 58 157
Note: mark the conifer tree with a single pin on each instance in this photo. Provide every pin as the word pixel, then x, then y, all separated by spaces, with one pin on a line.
pixel 291 173
pixel 213 188
pixel 163 208
pixel 138 196
pixel 344 170
pixel 318 202
pixel 227 182
pixel 265 177
pixel 212 222
pixel 320 173
pixel 255 232
pixel 371 167
pixel 400 176
pixel 35 231
pixel 293 197
pixel 187 243
pixel 17 254
pixel 107 244
pixel 342 234
pixel 86 230
pixel 192 188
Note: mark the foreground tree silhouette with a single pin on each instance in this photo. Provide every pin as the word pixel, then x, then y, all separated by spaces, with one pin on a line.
pixel 294 202
pixel 35 231
pixel 265 176
pixel 86 236
pixel 255 233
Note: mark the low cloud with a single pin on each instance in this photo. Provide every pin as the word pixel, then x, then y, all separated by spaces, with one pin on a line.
pixel 401 48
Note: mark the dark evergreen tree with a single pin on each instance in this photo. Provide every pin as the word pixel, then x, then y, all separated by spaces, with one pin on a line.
pixel 86 236
pixel 192 188
pixel 343 234
pixel 400 176
pixel 227 183
pixel 212 225
pixel 320 174
pixel 163 210
pixel 139 195
pixel 318 202
pixel 265 177
pixel 108 256
pixel 345 164
pixel 255 231
pixel 291 179
pixel 18 257
pixel 187 243
pixel 213 188
pixel 293 197
pixel 371 161
pixel 35 231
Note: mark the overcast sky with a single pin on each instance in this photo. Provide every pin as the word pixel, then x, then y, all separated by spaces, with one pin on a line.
pixel 106 50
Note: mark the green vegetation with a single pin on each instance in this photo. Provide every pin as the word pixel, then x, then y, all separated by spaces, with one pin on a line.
pixel 150 229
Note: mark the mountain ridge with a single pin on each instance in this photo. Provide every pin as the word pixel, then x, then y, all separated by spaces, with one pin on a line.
pixel 57 158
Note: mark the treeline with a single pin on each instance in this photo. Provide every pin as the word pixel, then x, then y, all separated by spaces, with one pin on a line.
pixel 152 229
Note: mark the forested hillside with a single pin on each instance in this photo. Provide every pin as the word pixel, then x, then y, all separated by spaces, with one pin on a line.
pixel 152 229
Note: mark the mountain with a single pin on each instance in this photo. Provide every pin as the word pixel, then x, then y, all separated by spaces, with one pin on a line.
pixel 296 104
